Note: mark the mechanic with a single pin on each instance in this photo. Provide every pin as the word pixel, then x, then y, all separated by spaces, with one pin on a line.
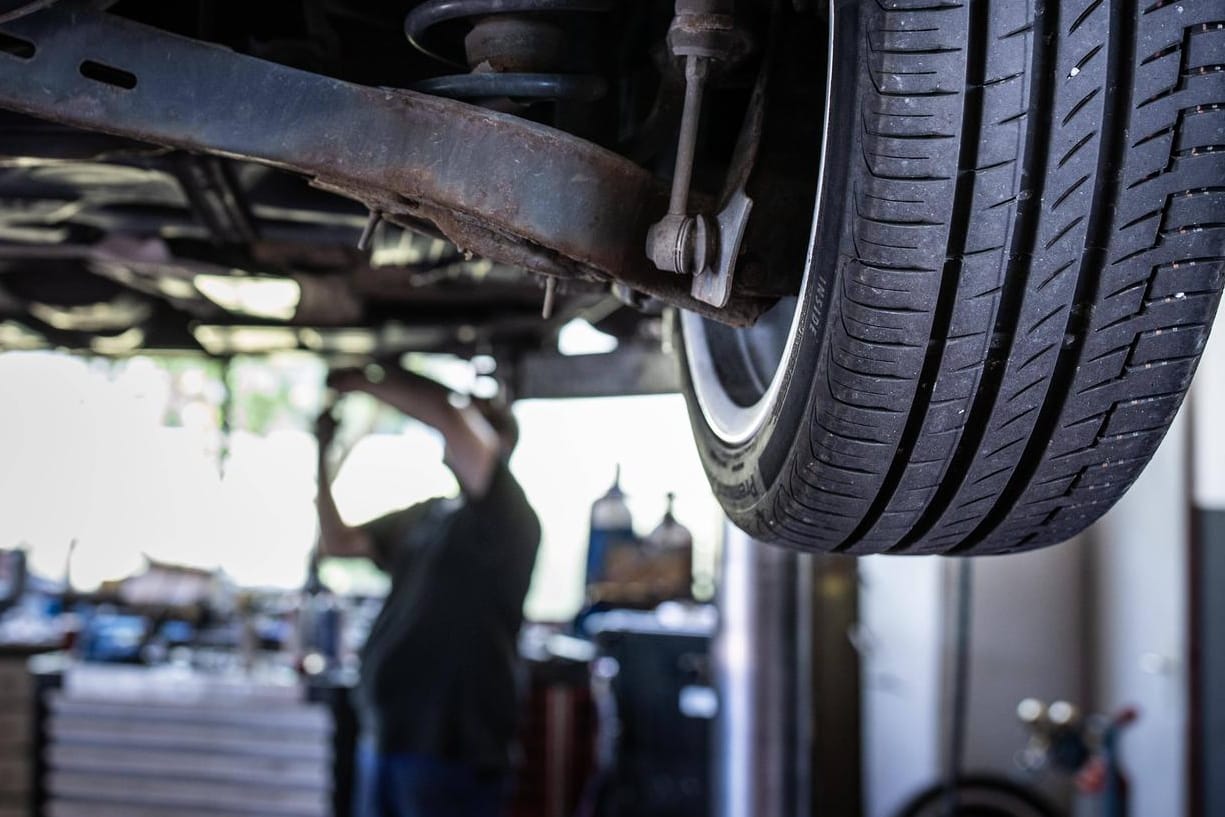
pixel 436 695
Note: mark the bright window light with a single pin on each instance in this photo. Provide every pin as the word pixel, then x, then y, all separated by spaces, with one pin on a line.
pixel 251 340
pixel 275 298
pixel 120 344
pixel 15 336
pixel 578 337
pixel 456 373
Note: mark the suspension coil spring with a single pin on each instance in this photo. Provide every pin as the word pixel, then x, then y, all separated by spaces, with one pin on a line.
pixel 516 49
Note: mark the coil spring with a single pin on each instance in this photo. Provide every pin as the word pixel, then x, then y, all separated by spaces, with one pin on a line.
pixel 513 50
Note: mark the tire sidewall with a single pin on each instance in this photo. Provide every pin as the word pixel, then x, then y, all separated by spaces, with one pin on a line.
pixel 745 476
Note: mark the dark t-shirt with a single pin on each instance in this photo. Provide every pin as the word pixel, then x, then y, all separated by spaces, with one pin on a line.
pixel 437 673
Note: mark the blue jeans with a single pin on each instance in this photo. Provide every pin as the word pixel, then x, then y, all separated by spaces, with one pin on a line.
pixel 406 785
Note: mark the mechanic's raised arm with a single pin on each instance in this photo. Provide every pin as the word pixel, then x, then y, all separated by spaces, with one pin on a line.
pixel 473 446
pixel 336 538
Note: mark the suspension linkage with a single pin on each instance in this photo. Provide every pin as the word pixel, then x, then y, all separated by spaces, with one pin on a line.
pixel 703 34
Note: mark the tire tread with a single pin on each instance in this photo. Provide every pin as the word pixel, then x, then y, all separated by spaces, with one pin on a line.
pixel 1033 254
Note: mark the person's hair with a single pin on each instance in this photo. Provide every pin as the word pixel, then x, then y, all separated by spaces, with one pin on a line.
pixel 498 414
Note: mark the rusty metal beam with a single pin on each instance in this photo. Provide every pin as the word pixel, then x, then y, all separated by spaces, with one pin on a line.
pixel 497 185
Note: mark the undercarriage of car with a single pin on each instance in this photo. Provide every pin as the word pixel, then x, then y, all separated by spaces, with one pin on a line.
pixel 167 158
pixel 938 274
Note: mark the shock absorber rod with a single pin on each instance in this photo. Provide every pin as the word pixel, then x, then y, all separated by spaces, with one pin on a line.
pixel 704 34
pixel 696 71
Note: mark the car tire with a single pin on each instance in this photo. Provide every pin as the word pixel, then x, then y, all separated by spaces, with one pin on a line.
pixel 1017 252
pixel 981 795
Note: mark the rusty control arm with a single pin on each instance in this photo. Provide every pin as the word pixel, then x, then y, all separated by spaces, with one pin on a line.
pixel 500 186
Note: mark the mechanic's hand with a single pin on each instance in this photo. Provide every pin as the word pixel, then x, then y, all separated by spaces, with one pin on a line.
pixel 347 380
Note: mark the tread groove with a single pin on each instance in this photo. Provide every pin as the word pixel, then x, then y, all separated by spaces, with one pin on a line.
pixel 1119 76
pixel 967 159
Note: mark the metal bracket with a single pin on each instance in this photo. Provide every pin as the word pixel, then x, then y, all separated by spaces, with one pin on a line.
pixel 713 285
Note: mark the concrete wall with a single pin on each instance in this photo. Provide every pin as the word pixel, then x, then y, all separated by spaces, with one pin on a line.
pixel 1208 492
pixel 1141 634
pixel 1028 642
pixel 1101 622
pixel 901 642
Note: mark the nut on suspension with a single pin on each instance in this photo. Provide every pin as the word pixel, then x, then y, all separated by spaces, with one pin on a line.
pixel 683 244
